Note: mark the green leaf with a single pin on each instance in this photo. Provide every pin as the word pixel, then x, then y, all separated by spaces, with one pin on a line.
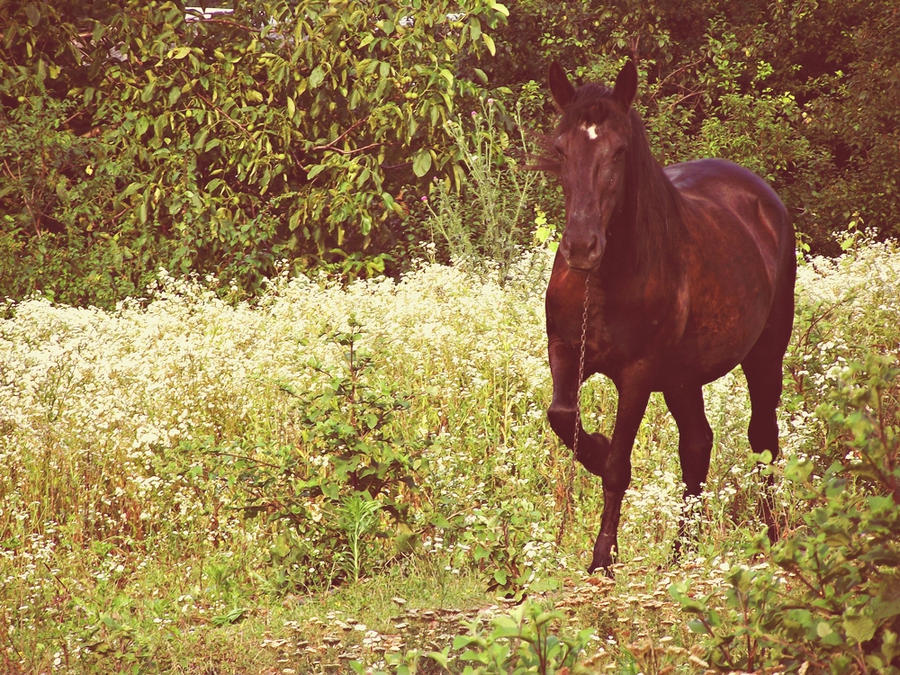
pixel 33 14
pixel 885 609
pixel 315 171
pixel 505 626
pixel 544 617
pixel 545 584
pixel 697 626
pixel 489 43
pixel 439 521
pixel 441 658
pixel 860 628
pixel 474 28
pixel 200 139
pixel 316 77
pixel 498 7
pixel 235 615
pixel 500 577
pixel 461 641
pixel 422 163
pixel 827 634
pixel 147 92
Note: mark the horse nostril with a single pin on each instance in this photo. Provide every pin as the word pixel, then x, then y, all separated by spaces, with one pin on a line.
pixel 598 244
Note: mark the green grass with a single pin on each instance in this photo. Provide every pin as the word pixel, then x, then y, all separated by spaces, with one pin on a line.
pixel 133 440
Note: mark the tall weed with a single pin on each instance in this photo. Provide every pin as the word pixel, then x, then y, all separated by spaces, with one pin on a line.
pixel 485 214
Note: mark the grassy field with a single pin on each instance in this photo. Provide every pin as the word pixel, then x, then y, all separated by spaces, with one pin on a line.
pixel 360 478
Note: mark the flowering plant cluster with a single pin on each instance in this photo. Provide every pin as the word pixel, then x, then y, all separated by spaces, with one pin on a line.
pixel 327 433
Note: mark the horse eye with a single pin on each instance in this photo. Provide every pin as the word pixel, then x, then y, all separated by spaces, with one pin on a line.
pixel 558 147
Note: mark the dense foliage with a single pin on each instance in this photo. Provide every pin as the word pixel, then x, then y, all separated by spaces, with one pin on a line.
pixel 149 136
pixel 144 137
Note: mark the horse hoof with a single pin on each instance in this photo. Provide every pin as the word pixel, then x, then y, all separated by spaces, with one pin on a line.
pixel 605 569
pixel 602 564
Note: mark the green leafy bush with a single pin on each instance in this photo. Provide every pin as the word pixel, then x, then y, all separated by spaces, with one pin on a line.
pixel 282 131
pixel 61 233
pixel 522 642
pixel 835 606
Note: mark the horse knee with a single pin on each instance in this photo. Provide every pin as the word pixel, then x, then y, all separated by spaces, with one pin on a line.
pixel 562 421
pixel 616 476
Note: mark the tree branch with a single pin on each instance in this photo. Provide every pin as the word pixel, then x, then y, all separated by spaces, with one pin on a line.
pixel 333 144
pixel 227 116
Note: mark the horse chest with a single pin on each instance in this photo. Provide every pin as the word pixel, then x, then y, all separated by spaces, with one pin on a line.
pixel 618 329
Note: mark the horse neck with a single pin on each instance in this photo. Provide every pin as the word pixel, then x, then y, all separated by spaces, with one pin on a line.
pixel 650 228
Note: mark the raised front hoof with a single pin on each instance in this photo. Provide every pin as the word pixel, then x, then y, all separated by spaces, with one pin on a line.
pixel 593 450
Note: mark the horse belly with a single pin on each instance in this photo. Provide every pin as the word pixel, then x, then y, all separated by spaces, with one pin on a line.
pixel 731 273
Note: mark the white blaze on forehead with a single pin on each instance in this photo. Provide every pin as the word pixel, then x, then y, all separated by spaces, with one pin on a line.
pixel 590 130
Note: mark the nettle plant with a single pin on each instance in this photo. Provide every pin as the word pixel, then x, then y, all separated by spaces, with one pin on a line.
pixel 340 497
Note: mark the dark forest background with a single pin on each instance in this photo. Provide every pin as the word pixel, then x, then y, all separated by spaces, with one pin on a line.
pixel 335 135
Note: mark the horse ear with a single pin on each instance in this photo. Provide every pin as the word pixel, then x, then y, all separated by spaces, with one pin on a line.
pixel 626 85
pixel 562 90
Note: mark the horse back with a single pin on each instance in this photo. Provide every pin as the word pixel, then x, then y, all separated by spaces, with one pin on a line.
pixel 735 216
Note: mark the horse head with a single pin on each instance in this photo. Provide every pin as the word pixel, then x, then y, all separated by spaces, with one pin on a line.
pixel 591 145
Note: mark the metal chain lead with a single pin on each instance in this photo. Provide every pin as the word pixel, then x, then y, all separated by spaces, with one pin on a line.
pixel 570 479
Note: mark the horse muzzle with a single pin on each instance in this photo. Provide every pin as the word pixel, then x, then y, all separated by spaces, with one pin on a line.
pixel 583 252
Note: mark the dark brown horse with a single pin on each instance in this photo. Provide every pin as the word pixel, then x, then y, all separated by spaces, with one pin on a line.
pixel 670 278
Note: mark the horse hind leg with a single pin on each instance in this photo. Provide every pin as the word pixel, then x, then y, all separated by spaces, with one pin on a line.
pixel 763 368
pixel 695 440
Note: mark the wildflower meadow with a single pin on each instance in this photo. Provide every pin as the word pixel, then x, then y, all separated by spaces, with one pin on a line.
pixel 359 477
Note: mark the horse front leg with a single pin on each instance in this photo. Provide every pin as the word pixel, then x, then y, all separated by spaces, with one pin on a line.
pixel 633 397
pixel 592 449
